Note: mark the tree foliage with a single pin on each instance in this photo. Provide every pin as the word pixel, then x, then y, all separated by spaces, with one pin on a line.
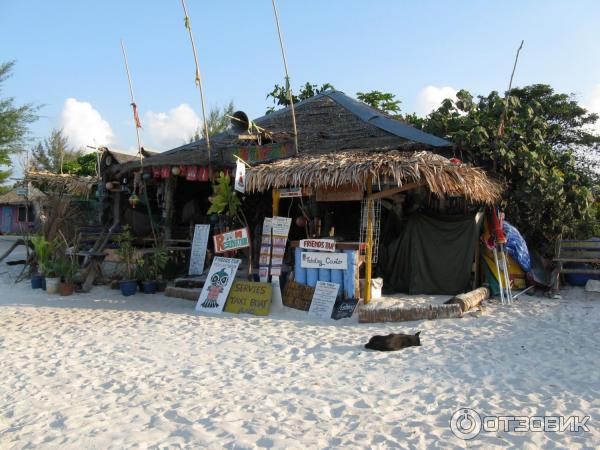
pixel 217 120
pixel 383 101
pixel 14 122
pixel 535 141
pixel 53 153
pixel 280 95
pixel 83 166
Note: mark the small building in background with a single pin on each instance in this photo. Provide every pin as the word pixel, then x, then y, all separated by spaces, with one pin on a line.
pixel 20 209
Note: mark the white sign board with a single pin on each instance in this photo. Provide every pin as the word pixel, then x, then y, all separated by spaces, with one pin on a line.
pixel 326 245
pixel 290 192
pixel 323 300
pixel 218 283
pixel 314 260
pixel 198 254
pixel 281 226
pixel 265 250
pixel 240 177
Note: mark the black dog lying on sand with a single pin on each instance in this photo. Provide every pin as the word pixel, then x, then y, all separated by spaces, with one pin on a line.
pixel 393 342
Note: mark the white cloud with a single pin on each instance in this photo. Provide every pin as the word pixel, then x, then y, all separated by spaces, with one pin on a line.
pixel 83 125
pixel 431 97
pixel 591 102
pixel 173 128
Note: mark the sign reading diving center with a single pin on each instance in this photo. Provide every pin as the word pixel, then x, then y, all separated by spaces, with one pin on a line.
pixel 249 298
pixel 315 260
pixel 232 240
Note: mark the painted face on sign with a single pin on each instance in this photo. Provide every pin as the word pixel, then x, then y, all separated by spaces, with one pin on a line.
pixel 217 281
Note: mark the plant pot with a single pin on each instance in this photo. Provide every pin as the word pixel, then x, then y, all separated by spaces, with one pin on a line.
pixel 149 287
pixel 37 282
pixel 52 285
pixel 128 287
pixel 161 286
pixel 66 289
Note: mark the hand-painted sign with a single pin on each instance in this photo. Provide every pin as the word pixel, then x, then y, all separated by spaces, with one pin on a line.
pixel 198 253
pixel 266 152
pixel 344 308
pixel 323 300
pixel 232 240
pixel 281 226
pixel 218 283
pixel 290 192
pixel 327 245
pixel 314 260
pixel 265 250
pixel 249 298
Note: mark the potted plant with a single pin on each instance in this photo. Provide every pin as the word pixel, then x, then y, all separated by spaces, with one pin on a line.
pixel 65 268
pixel 126 252
pixel 52 278
pixel 151 268
pixel 41 248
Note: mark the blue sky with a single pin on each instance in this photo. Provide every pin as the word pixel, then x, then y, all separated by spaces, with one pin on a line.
pixel 71 50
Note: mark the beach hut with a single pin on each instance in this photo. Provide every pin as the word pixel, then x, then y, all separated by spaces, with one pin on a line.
pixel 20 209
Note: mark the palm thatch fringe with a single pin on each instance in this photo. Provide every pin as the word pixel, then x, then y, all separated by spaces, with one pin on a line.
pixel 62 183
pixel 333 170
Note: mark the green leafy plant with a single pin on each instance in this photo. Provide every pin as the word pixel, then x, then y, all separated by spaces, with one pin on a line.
pixel 41 249
pixel 126 251
pixel 540 143
pixel 151 267
pixel 65 268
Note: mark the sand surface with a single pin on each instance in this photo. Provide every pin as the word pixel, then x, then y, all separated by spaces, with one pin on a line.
pixel 100 370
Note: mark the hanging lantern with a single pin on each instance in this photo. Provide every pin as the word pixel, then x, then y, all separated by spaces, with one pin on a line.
pixel 175 170
pixel 134 200
pixel 110 185
pixel 191 173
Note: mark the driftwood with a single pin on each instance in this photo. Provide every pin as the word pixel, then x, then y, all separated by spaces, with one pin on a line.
pixel 12 247
pixel 470 300
pixel 186 294
pixel 377 314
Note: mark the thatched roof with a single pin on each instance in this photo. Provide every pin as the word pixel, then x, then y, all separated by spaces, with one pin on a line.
pixel 332 170
pixel 14 197
pixel 72 184
pixel 329 122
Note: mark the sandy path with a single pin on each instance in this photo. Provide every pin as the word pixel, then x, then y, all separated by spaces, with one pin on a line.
pixel 102 371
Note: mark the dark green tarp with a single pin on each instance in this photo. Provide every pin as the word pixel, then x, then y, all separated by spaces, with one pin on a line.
pixel 432 255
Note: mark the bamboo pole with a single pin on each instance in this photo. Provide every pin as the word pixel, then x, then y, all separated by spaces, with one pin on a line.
pixel 188 25
pixel 287 76
pixel 276 197
pixel 369 249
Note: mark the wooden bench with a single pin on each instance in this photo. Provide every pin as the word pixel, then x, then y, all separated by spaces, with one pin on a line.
pixel 577 251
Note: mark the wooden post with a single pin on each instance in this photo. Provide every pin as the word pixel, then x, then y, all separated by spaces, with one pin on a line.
pixel 369 247
pixel 170 186
pixel 275 202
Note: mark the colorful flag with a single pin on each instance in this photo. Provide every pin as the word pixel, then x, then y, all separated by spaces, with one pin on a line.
pixel 136 117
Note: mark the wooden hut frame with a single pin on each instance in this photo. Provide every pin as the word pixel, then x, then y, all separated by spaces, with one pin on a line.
pixel 392 171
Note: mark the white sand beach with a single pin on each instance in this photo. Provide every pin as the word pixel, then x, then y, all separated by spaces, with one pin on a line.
pixel 99 370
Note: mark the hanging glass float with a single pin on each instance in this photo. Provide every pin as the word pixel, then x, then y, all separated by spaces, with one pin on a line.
pixel 175 170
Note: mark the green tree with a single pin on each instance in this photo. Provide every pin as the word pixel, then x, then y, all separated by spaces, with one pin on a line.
pixel 83 166
pixel 530 139
pixel 383 101
pixel 14 122
pixel 53 153
pixel 280 95
pixel 217 120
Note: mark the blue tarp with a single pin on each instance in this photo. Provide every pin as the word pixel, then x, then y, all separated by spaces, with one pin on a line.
pixel 517 247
